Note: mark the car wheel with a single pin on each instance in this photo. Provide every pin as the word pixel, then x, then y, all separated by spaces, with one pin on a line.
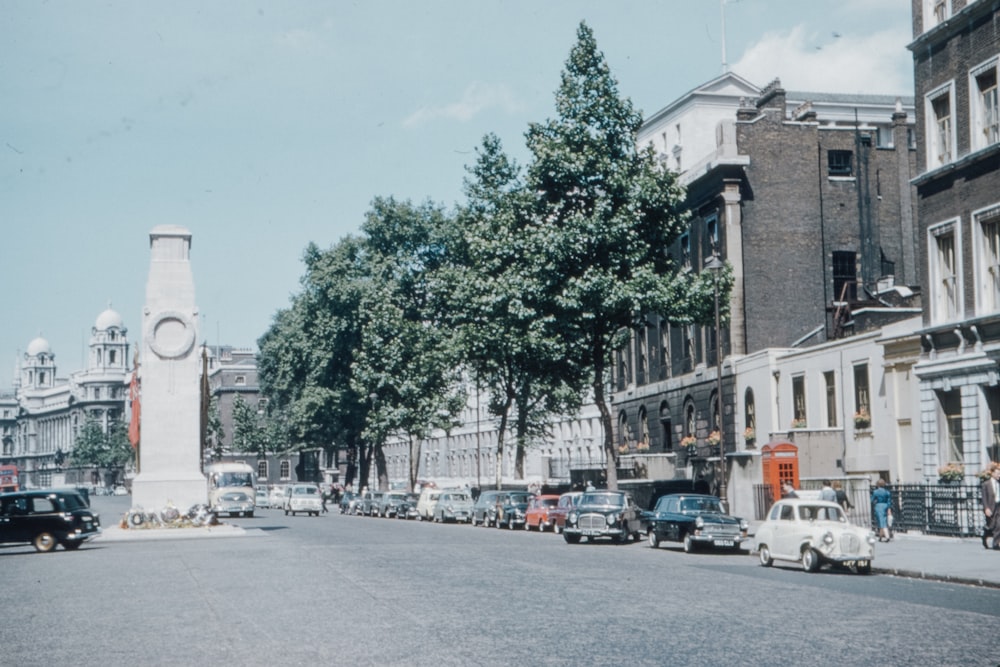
pixel 651 537
pixel 688 544
pixel 250 514
pixel 765 556
pixel 44 542
pixel 571 539
pixel 286 512
pixel 865 569
pixel 555 528
pixel 527 527
pixel 810 560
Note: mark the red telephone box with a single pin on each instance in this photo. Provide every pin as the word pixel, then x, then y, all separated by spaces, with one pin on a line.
pixel 779 463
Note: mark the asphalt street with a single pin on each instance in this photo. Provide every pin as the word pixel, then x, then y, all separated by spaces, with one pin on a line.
pixel 346 590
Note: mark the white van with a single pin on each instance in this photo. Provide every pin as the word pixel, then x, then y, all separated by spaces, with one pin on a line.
pixel 428 499
pixel 231 488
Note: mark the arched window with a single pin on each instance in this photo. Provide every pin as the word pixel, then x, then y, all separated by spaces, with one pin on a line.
pixel 624 436
pixel 666 425
pixel 689 420
pixel 749 418
pixel 643 428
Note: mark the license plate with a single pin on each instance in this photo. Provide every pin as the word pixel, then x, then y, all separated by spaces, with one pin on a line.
pixel 724 543
pixel 855 563
pixel 590 533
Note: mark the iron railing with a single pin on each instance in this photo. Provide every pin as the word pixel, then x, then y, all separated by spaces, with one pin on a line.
pixel 950 510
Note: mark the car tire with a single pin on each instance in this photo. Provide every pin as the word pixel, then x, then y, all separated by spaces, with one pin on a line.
pixel 555 528
pixel 527 527
pixel 44 542
pixel 765 556
pixel 810 560
pixel 865 569
pixel 652 538
pixel 286 512
pixel 250 515
pixel 571 539
pixel 688 544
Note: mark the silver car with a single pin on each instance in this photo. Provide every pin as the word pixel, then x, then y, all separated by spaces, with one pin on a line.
pixel 813 532
pixel 302 498
pixel 453 506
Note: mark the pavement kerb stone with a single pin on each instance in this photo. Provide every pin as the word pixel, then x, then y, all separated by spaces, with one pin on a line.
pixel 117 534
pixel 928 576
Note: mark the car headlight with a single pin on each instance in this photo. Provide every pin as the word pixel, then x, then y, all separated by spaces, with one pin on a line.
pixel 870 538
pixel 571 517
pixel 699 523
pixel 828 538
pixel 611 519
pixel 744 525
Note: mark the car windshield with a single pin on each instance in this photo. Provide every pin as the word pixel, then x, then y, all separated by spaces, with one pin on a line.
pixel 235 479
pixel 611 499
pixel 548 502
pixel 519 498
pixel 460 497
pixel 72 501
pixel 701 506
pixel 306 490
pixel 820 513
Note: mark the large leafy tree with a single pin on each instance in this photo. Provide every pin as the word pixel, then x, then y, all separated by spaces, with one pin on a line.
pixel 103 449
pixel 509 341
pixel 605 214
pixel 406 363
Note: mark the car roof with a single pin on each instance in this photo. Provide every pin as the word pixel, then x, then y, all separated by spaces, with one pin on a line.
pixel 690 495
pixel 805 501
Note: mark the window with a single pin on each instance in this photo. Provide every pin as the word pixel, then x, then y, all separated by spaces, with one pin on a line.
pixel 111 358
pixel 285 469
pixel 951 448
pixel 712 235
pixel 642 372
pixel 845 276
pixel 262 469
pixel 985 117
pixel 664 350
pixel 944 273
pixel 940 128
pixel 935 12
pixel 750 413
pixel 666 426
pixel 685 250
pixel 689 422
pixel 987 250
pixel 799 401
pixel 839 163
pixel 830 387
pixel 862 405
pixel 240 380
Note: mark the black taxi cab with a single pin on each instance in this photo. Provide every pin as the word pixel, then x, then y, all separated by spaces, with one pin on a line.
pixel 47 518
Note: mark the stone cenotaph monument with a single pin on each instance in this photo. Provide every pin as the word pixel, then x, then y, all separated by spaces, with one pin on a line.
pixel 170 447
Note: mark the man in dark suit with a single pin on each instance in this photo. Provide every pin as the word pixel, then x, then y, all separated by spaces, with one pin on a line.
pixel 991 506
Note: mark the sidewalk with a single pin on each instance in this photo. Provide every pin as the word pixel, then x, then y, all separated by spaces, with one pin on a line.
pixel 118 534
pixel 951 559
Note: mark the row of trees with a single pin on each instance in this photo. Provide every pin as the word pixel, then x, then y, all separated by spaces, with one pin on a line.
pixel 524 291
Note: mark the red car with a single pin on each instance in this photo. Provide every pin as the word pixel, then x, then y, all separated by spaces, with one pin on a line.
pixel 537 514
pixel 557 515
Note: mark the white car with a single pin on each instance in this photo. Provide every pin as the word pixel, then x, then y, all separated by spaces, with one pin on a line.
pixel 813 532
pixel 302 498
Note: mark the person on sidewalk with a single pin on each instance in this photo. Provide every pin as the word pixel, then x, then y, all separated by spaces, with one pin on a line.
pixel 787 490
pixel 842 498
pixel 882 501
pixel 991 505
pixel 827 493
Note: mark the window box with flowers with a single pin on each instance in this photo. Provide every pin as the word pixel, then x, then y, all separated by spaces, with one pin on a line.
pixel 862 420
pixel 623 448
pixel 642 446
pixel 688 442
pixel 750 435
pixel 953 473
pixel 798 423
pixel 714 438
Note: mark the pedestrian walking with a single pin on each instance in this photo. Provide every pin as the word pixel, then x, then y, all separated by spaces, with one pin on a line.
pixel 991 505
pixel 842 498
pixel 882 502
pixel 827 493
pixel 788 491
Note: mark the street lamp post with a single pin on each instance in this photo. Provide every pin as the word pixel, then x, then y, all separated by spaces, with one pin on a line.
pixel 715 265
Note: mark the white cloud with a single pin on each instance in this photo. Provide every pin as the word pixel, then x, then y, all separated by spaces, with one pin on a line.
pixel 805 61
pixel 477 98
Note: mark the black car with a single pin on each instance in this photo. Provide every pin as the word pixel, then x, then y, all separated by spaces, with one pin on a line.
pixel 407 508
pixel 611 514
pixel 512 509
pixel 696 520
pixel 47 518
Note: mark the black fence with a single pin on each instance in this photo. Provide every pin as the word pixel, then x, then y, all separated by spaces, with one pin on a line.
pixel 951 510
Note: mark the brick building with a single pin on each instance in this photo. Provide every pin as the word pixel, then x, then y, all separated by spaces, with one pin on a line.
pixel 807 197
pixel 956 59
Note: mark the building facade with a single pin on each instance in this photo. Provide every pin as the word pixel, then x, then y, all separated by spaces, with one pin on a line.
pixel 46 413
pixel 956 61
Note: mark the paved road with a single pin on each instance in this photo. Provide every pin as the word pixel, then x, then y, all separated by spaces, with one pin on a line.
pixel 347 590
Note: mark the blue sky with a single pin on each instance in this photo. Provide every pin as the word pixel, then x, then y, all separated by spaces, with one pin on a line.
pixel 264 126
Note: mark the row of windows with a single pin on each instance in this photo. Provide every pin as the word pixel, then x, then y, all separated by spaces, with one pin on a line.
pixel 984 115
pixel 946 271
pixel 830 404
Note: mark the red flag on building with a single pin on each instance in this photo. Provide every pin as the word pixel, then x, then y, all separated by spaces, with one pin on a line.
pixel 133 394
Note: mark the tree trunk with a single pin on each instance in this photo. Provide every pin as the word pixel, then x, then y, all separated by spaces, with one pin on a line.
pixel 381 470
pixel 500 431
pixel 414 461
pixel 609 446
pixel 365 464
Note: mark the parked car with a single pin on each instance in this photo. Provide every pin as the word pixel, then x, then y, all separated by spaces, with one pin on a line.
pixel 611 514
pixel 537 515
pixel 47 518
pixel 389 504
pixel 370 501
pixel 813 533
pixel 349 502
pixel 119 491
pixel 453 506
pixel 695 520
pixel 407 508
pixel 302 498
pixel 263 499
pixel 484 512
pixel 428 499
pixel 512 509
pixel 557 514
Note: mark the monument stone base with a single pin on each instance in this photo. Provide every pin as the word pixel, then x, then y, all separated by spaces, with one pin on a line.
pixel 152 491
